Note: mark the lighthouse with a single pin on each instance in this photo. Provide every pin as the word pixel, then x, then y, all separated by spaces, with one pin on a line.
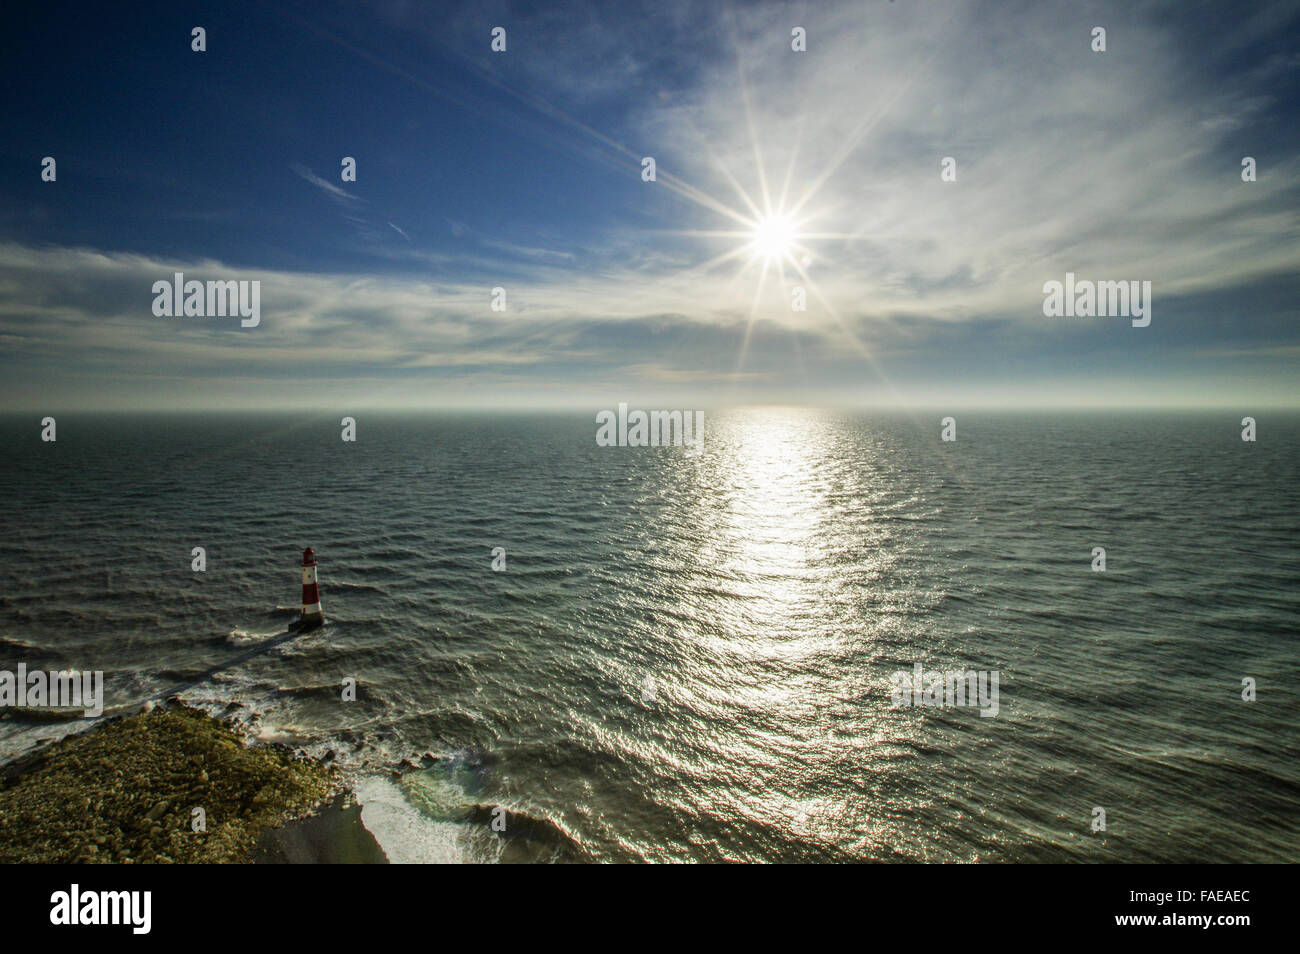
pixel 311 611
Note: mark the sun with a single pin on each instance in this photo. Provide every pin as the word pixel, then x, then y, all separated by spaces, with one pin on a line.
pixel 775 238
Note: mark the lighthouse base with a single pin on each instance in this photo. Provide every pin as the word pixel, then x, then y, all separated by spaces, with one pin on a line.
pixel 311 618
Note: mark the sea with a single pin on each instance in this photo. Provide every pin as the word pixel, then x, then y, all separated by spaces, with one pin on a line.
pixel 566 652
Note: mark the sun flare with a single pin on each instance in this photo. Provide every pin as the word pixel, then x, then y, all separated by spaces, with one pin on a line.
pixel 775 238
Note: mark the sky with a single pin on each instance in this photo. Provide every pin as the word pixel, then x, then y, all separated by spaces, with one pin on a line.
pixel 523 170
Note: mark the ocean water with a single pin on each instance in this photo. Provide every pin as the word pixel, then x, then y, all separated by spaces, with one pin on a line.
pixel 689 658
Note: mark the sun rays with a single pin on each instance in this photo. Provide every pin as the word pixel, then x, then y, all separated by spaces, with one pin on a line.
pixel 768 236
pixel 773 246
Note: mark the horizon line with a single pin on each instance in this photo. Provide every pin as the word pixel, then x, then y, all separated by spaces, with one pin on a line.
pixel 590 407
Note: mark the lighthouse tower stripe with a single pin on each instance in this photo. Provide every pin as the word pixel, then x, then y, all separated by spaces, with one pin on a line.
pixel 311 609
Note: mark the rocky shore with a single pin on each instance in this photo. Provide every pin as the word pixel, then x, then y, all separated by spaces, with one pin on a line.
pixel 167 785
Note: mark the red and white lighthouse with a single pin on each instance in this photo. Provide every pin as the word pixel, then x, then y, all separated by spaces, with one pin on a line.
pixel 311 611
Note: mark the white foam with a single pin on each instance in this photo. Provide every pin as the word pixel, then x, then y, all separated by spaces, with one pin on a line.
pixel 241 638
pixel 406 834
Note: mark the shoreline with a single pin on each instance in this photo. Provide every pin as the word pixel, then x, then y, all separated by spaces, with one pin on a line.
pixel 174 784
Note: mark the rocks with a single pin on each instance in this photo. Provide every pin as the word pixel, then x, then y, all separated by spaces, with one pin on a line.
pixel 125 792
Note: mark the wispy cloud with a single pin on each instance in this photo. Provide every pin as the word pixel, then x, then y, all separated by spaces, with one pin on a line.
pixel 341 195
pixel 76 322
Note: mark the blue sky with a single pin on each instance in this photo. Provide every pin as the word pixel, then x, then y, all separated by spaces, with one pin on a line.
pixel 522 170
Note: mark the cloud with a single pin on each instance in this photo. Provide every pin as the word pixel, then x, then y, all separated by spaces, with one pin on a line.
pixel 1116 165
pixel 342 196
pixel 78 323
